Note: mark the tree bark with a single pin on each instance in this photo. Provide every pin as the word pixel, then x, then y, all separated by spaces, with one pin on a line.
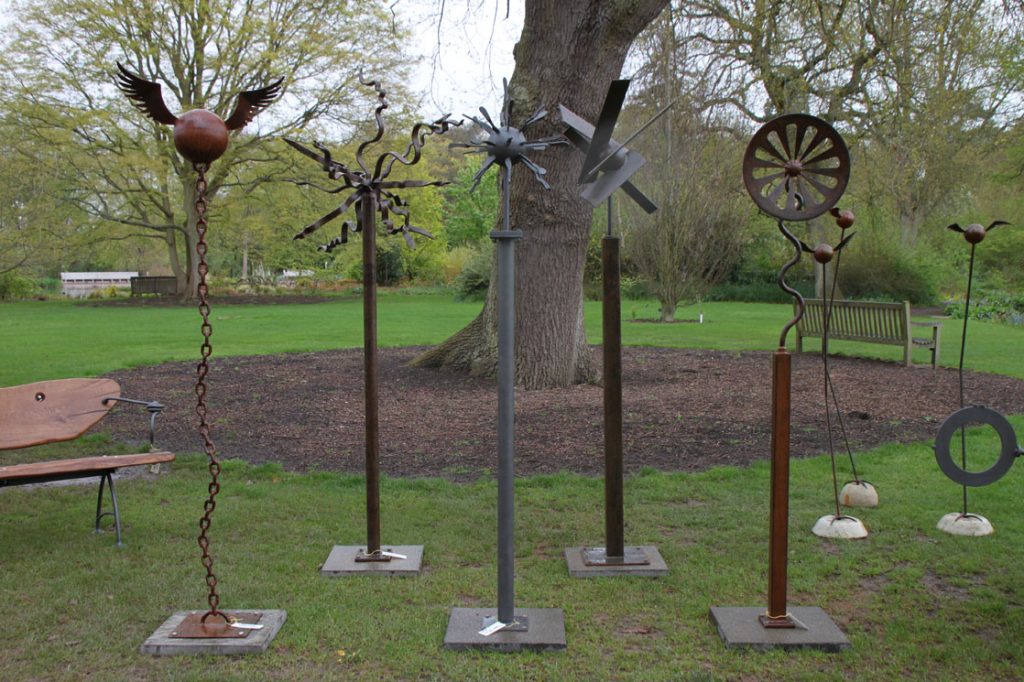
pixel 568 53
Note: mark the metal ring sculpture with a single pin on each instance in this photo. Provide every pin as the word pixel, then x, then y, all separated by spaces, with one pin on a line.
pixel 975 414
pixel 796 167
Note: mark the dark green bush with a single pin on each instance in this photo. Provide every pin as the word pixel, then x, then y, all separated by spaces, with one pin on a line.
pixel 890 275
pixel 14 286
pixel 471 283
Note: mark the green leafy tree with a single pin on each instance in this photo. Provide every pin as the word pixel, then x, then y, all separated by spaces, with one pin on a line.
pixel 59 56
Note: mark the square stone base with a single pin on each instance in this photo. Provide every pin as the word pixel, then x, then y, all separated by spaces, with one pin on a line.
pixel 546 631
pixel 160 643
pixel 342 561
pixel 578 568
pixel 739 627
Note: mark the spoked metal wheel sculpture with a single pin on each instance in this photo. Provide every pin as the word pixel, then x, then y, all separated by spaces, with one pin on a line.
pixel 965 522
pixel 201 137
pixel 796 167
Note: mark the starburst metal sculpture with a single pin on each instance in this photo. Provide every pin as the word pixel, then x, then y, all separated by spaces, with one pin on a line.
pixel 374 184
pixel 506 145
pixel 372 193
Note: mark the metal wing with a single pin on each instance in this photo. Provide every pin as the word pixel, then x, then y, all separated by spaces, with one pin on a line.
pixel 145 96
pixel 252 102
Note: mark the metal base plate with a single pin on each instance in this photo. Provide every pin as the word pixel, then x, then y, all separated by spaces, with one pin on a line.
pixel 345 560
pixel 162 643
pixel 520 624
pixel 546 631
pixel 740 627
pixel 215 627
pixel 593 562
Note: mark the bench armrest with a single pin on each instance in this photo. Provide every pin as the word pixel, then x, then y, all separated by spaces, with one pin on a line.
pixel 926 324
pixel 152 406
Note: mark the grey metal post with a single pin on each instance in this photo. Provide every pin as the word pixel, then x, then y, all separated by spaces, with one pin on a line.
pixel 506 241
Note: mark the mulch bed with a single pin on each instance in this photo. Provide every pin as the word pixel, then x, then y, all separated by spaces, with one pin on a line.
pixel 684 410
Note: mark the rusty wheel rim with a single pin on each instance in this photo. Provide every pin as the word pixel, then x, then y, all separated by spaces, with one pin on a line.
pixel 796 167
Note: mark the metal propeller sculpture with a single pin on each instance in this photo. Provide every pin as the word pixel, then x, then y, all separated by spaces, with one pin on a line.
pixel 202 137
pixel 964 522
pixel 508 628
pixel 796 167
pixel 372 193
pixel 608 166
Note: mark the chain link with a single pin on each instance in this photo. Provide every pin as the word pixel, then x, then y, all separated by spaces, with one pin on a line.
pixel 201 411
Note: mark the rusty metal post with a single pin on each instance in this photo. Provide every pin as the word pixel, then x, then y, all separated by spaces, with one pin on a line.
pixel 368 209
pixel 611 325
pixel 778 532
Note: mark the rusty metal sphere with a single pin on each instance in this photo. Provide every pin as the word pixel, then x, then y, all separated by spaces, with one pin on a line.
pixel 796 167
pixel 974 233
pixel 844 219
pixel 200 136
pixel 823 253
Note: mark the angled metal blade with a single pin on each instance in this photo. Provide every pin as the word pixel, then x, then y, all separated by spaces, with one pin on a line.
pixel 605 124
pixel 639 197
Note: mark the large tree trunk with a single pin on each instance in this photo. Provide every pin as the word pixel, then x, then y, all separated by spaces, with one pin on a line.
pixel 568 53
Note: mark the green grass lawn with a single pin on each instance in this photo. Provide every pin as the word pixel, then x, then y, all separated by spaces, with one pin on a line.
pixel 916 603
pixel 56 339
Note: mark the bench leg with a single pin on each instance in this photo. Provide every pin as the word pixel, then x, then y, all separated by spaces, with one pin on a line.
pixel 109 480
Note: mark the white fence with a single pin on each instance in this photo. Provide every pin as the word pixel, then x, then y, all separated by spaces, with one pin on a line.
pixel 80 284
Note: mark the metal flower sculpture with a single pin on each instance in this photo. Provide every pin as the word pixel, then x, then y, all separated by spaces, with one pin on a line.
pixel 964 522
pixel 373 193
pixel 374 184
pixel 506 145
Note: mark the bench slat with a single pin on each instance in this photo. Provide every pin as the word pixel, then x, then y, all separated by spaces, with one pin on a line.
pixel 82 465
pixel 52 411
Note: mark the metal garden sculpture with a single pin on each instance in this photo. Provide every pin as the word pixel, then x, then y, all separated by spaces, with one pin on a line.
pixel 508 628
pixel 964 522
pixel 372 193
pixel 796 167
pixel 608 166
pixel 202 137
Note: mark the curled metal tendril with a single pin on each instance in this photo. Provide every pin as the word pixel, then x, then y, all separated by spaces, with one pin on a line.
pixel 374 184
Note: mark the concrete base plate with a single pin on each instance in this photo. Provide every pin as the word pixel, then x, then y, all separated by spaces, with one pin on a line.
pixel 841 527
pixel 342 561
pixel 739 627
pixel 858 494
pixel 970 525
pixel 160 643
pixel 578 568
pixel 546 631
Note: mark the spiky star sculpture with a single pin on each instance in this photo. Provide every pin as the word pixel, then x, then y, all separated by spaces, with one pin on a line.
pixel 199 135
pixel 367 183
pixel 506 145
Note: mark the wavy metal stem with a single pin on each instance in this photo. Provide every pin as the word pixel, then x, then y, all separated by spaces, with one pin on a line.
pixel 788 289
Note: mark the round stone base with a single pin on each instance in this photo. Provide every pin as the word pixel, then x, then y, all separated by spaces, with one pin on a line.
pixel 845 527
pixel 858 494
pixel 956 523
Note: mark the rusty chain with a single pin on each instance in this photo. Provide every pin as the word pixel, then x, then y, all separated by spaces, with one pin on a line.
pixel 201 371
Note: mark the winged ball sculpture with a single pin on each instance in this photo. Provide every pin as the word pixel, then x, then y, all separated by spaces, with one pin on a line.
pixel 199 135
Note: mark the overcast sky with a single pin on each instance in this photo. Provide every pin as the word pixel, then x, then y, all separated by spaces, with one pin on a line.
pixel 463 54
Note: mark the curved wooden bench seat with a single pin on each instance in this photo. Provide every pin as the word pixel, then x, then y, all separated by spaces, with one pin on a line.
pixel 61 410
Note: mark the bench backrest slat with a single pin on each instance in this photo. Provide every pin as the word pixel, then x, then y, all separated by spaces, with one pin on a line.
pixel 867 320
pixel 52 411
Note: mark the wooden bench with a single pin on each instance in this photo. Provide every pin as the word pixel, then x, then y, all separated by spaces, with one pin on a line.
pixel 870 322
pixel 60 410
pixel 154 285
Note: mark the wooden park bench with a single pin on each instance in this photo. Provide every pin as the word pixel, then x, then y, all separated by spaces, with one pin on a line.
pixel 154 285
pixel 60 410
pixel 870 322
